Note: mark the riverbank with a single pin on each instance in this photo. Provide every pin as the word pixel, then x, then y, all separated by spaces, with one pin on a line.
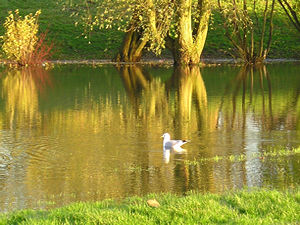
pixel 104 44
pixel 153 62
pixel 238 207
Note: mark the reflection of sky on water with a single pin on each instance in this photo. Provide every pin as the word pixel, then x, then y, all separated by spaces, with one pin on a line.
pixel 95 133
pixel 253 165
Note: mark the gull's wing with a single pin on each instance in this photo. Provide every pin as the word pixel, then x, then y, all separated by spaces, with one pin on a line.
pixel 175 143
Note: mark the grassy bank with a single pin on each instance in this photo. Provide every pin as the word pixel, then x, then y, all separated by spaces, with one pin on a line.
pixel 70 43
pixel 242 207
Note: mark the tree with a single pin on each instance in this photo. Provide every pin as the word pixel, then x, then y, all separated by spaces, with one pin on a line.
pixel 143 22
pixel 132 47
pixel 247 26
pixel 147 24
pixel 191 28
pixel 292 10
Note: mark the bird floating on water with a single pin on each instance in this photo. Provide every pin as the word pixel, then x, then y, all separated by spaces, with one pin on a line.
pixel 172 144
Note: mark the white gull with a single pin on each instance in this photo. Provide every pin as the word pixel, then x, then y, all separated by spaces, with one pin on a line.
pixel 172 144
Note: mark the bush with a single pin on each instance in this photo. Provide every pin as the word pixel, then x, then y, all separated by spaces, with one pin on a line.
pixel 21 43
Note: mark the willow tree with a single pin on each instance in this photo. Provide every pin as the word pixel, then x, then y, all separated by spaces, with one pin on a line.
pixel 190 30
pixel 148 23
pixel 292 10
pixel 249 27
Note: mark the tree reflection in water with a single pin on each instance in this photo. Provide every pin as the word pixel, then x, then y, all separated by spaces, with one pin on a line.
pixel 20 90
pixel 245 110
pixel 251 93
pixel 179 106
pixel 250 107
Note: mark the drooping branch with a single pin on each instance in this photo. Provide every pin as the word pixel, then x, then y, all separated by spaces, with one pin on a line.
pixel 291 13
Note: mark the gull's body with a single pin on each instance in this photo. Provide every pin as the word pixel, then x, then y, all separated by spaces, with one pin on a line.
pixel 166 155
pixel 172 144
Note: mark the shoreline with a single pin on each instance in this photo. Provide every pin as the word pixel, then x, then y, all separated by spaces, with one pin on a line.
pixel 204 62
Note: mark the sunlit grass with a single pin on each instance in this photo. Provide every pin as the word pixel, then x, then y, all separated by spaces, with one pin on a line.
pixel 242 207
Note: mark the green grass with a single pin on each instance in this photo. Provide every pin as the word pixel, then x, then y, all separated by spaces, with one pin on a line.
pixel 70 43
pixel 241 207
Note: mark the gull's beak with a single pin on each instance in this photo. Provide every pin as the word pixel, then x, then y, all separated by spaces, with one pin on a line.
pixel 162 136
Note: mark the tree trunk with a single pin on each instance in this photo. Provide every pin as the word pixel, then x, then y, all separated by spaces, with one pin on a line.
pixel 187 48
pixel 132 48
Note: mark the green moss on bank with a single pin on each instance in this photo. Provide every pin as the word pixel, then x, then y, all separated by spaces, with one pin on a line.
pixel 242 207
pixel 70 44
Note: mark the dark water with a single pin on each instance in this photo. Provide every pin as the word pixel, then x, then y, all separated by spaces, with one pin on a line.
pixel 78 133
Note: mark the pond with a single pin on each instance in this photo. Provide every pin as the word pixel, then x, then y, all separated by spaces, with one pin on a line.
pixel 87 133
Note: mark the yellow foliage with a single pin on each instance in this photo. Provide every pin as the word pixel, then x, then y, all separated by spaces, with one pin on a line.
pixel 20 37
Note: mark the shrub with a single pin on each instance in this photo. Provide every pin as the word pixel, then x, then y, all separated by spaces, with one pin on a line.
pixel 21 42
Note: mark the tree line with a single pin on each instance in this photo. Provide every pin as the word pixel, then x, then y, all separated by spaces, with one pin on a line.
pixel 181 25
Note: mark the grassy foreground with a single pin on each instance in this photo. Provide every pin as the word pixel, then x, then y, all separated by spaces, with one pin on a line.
pixel 242 207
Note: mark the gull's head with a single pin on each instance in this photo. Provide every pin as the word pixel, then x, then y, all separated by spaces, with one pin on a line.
pixel 166 136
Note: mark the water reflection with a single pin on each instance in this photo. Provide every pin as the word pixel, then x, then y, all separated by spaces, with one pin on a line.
pixel 240 116
pixel 147 95
pixel 19 114
pixel 154 99
pixel 191 98
pixel 95 133
pixel 250 106
pixel 254 88
pixel 20 91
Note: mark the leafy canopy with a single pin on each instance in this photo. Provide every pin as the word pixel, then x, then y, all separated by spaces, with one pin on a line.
pixel 153 19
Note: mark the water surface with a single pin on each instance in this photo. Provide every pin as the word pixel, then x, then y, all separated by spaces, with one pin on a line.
pixel 83 133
